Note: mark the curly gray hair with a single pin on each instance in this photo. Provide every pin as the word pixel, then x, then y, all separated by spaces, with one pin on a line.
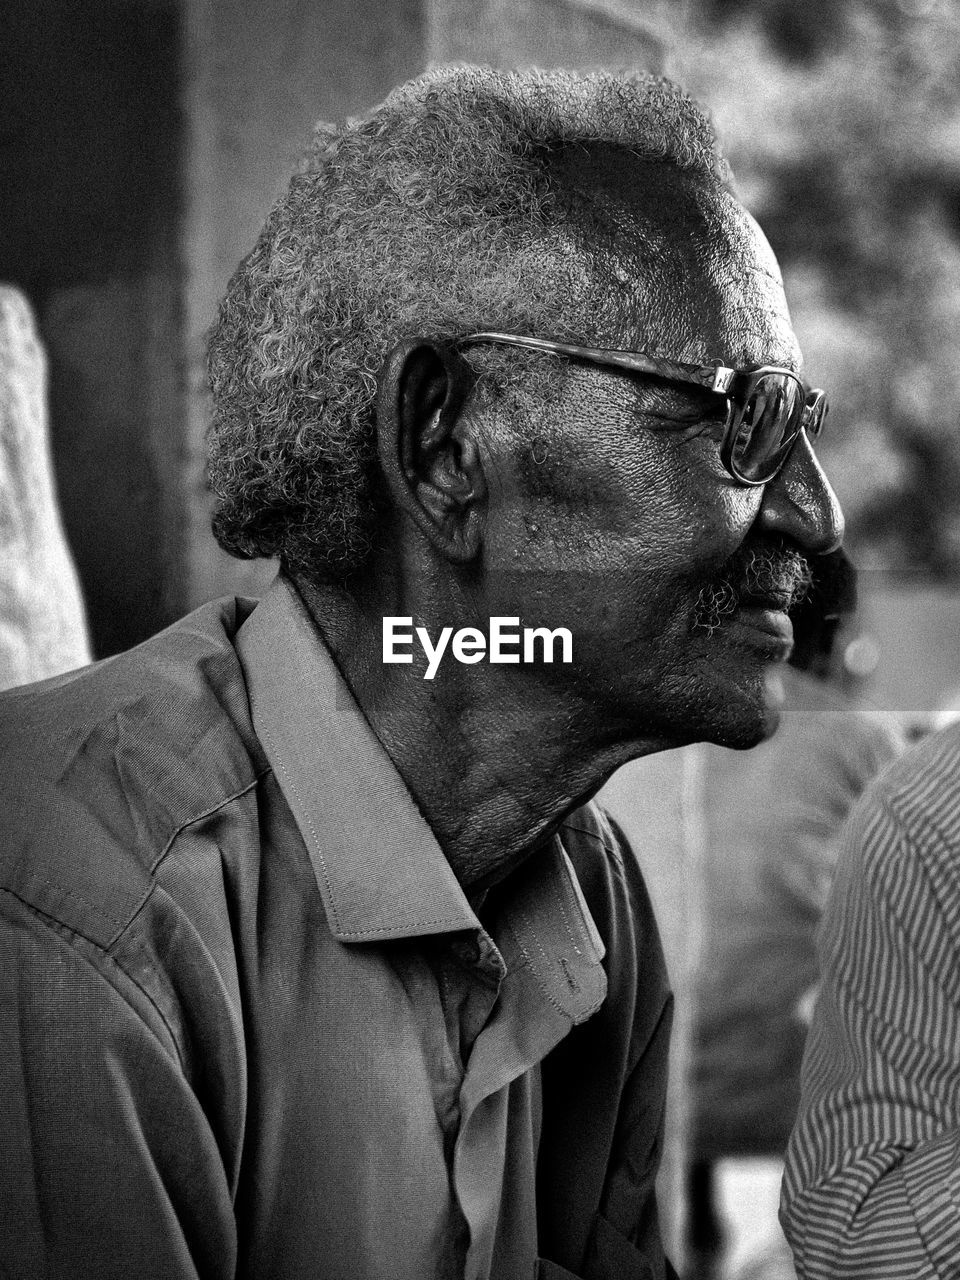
pixel 430 216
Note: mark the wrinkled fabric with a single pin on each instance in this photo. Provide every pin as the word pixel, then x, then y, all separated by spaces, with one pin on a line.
pixel 252 1027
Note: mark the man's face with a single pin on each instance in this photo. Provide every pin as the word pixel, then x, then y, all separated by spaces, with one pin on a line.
pixel 621 522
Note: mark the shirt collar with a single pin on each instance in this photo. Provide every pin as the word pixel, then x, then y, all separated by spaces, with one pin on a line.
pixel 379 868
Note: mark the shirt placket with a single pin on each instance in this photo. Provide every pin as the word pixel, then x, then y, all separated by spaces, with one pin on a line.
pixel 496 1147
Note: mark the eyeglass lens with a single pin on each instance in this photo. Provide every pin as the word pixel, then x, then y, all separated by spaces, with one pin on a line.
pixel 769 424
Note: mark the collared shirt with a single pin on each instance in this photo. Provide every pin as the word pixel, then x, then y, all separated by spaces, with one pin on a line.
pixel 872 1184
pixel 251 1026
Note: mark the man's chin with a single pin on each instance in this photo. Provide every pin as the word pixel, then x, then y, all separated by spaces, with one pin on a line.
pixel 771 709
pixel 750 710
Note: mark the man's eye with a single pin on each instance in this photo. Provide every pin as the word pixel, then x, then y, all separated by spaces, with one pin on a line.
pixel 678 408
pixel 708 428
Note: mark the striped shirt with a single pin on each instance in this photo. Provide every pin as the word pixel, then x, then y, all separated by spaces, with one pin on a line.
pixel 872 1183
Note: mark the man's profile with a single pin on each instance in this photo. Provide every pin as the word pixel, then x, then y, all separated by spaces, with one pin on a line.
pixel 312 966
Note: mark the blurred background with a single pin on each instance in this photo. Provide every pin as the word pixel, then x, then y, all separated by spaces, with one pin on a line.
pixel 142 143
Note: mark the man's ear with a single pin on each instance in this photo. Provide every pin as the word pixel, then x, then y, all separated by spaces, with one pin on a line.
pixel 430 460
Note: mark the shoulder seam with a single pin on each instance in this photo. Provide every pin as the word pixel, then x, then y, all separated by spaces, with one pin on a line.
pixel 221 804
pixel 68 934
pixel 155 865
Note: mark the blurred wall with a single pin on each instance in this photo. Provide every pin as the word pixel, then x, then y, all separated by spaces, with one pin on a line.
pixel 547 33
pixel 258 76
pixel 90 225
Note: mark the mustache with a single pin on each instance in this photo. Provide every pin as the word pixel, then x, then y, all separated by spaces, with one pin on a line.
pixel 774 575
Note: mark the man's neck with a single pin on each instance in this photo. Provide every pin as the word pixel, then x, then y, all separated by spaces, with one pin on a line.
pixel 494 761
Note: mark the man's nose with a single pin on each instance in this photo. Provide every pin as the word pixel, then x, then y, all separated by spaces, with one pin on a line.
pixel 799 503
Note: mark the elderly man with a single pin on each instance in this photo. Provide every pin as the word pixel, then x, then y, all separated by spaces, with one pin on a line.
pixel 317 960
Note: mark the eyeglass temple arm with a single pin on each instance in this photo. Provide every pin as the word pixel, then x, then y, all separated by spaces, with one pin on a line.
pixel 714 377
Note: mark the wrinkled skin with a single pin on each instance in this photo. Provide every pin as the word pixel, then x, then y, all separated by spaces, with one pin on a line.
pixel 660 518
pixel 637 521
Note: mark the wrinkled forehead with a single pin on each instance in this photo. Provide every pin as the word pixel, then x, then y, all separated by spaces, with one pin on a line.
pixel 678 266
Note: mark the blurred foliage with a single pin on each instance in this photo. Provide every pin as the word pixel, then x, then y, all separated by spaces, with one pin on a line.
pixel 842 123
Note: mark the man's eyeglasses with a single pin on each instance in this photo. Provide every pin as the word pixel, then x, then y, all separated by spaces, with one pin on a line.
pixel 767 407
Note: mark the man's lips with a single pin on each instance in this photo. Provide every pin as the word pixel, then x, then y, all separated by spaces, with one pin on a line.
pixel 761 580
pixel 770 621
